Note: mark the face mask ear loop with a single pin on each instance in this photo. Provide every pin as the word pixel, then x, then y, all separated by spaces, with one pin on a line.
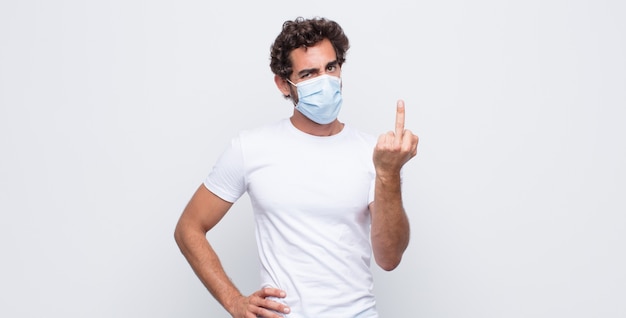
pixel 291 97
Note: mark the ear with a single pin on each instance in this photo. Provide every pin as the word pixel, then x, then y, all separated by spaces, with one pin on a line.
pixel 283 85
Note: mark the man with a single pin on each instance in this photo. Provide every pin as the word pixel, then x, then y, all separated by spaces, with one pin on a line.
pixel 324 195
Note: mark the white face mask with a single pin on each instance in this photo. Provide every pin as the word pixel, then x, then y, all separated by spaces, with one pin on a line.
pixel 319 98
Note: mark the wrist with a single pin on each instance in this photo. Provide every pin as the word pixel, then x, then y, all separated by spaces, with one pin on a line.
pixel 231 304
pixel 387 176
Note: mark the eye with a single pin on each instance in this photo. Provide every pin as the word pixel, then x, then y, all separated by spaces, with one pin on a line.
pixel 331 68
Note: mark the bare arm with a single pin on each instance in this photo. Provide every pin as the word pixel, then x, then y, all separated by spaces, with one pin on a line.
pixel 201 214
pixel 390 224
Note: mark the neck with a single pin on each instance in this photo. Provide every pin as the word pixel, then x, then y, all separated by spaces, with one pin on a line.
pixel 310 127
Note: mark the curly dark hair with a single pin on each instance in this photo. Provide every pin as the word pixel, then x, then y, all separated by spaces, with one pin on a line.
pixel 305 32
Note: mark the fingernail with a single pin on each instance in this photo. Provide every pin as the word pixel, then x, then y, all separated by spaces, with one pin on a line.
pixel 286 310
pixel 282 294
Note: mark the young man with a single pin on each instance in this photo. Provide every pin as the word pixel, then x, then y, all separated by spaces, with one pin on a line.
pixel 325 196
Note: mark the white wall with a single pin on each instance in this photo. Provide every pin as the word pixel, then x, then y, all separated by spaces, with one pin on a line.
pixel 112 113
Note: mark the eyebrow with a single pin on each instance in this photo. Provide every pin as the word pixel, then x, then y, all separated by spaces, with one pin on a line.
pixel 316 70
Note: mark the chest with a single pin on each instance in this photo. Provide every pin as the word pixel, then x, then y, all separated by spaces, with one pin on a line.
pixel 320 179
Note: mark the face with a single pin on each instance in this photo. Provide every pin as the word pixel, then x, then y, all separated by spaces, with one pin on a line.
pixel 308 63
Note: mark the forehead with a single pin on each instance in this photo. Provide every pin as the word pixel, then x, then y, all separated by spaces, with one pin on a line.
pixel 316 56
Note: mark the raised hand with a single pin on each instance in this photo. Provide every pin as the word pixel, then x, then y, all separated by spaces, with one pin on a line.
pixel 258 305
pixel 395 148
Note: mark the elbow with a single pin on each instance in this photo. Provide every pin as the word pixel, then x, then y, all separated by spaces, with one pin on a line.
pixel 389 256
pixel 178 234
pixel 188 233
pixel 389 263
pixel 181 234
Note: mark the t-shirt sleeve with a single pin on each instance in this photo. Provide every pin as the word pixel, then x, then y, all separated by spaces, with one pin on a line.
pixel 227 178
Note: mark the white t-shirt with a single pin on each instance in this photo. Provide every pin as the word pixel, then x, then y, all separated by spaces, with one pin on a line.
pixel 310 197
